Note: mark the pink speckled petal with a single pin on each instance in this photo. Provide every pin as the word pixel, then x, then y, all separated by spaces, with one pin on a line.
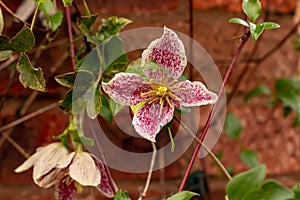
pixel 150 118
pixel 125 88
pixel 158 76
pixel 107 186
pixel 167 51
pixel 65 191
pixel 193 94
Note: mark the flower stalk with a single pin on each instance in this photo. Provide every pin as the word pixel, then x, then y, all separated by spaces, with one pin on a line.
pixel 245 38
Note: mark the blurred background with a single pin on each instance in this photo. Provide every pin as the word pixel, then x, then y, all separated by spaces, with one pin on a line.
pixel 262 129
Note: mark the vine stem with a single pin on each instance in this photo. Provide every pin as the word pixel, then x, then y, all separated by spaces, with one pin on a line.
pixel 143 194
pixel 18 18
pixel 72 51
pixel 211 154
pixel 245 38
pixel 29 116
pixel 34 16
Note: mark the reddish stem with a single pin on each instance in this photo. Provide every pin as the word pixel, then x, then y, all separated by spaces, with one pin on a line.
pixel 211 114
pixel 72 51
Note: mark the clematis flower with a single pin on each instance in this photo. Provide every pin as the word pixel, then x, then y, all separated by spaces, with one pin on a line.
pixel 161 91
pixel 54 165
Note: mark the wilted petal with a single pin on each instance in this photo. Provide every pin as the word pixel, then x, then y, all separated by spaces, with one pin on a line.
pixel 49 157
pixel 28 163
pixel 167 51
pixel 150 118
pixel 83 170
pixel 107 186
pixel 193 94
pixel 125 88
pixel 49 179
pixel 65 191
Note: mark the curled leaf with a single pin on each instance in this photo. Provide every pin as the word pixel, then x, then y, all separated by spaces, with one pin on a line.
pixel 23 41
pixel 29 76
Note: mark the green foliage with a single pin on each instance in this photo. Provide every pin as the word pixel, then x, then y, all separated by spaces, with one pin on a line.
pixel 259 90
pixel 105 110
pixel 242 184
pixel 183 195
pixel 233 126
pixel 23 41
pixel 46 6
pixel 4 41
pixel 29 76
pixel 121 195
pixel 111 27
pixel 55 20
pixel 5 54
pixel 67 2
pixel 296 190
pixel 85 140
pixel 82 77
pixel 249 157
pixel 287 92
pixel 252 8
pixel 239 21
pixel 249 185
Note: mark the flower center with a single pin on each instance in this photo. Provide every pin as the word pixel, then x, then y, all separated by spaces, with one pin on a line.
pixel 65 177
pixel 159 94
pixel 162 91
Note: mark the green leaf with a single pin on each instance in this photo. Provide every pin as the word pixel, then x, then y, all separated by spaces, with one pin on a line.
pixel 56 20
pixel 115 107
pixel 184 195
pixel 5 54
pixel 239 21
pixel 39 1
pixel 274 191
pixel 252 28
pixel 296 121
pixel 118 65
pixel 121 195
pixel 233 126
pixel 105 111
pixel 46 6
pixel 4 41
pixel 136 107
pixel 242 184
pixel 296 190
pixel 287 84
pixel 261 89
pixel 252 8
pixel 67 2
pixel 88 21
pixel 1 22
pixel 111 27
pixel 249 157
pixel 82 77
pixel 86 141
pixel 29 76
pixel 270 25
pixel 66 103
pixel 259 29
pixel 94 101
pixel 85 25
pixel 23 41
